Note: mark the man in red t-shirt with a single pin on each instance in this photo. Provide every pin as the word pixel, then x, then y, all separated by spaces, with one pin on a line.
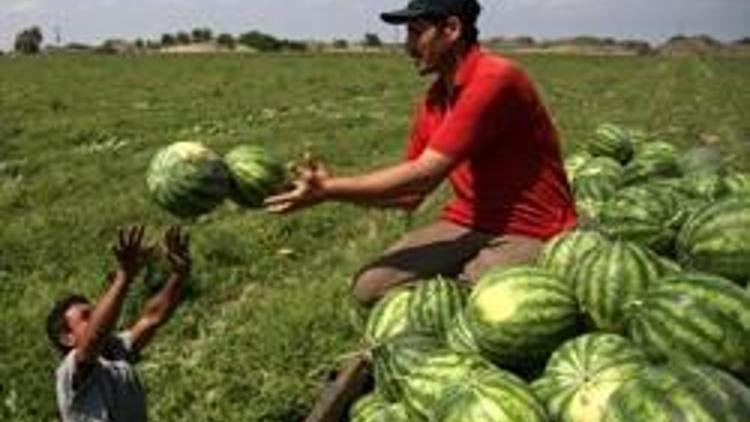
pixel 481 125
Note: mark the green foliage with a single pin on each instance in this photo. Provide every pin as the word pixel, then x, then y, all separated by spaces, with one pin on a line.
pixel 29 40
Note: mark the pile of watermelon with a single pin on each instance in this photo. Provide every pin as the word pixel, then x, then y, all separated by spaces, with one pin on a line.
pixel 188 179
pixel 641 314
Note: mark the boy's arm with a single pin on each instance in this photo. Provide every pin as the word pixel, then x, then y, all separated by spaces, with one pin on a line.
pixel 107 309
pixel 161 306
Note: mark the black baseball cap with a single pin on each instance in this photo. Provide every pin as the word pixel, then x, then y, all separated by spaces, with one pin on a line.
pixel 468 10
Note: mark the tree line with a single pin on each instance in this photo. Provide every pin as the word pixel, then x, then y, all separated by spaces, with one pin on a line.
pixel 29 41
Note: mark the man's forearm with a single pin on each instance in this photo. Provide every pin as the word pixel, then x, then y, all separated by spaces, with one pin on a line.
pixel 103 318
pixel 382 186
pixel 157 311
pixel 160 307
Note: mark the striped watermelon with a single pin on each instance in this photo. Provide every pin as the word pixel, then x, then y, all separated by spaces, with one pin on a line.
pixel 610 276
pixel 583 373
pixel 373 408
pixel 415 369
pixel 575 162
pixel 681 393
pixel 651 160
pixel 596 181
pixel 601 167
pixel 255 173
pixel 698 317
pixel 389 317
pixel 519 315
pixel 705 185
pixel 715 239
pixel 434 304
pixel 611 141
pixel 644 214
pixel 562 253
pixel 459 337
pixel 489 395
pixel 187 179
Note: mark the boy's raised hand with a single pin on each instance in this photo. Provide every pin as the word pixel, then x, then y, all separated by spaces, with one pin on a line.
pixel 177 243
pixel 129 251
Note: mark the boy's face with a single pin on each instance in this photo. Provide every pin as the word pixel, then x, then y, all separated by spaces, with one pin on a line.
pixel 77 318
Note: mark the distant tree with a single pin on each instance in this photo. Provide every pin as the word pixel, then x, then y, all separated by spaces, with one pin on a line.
pixel 29 40
pixel 372 40
pixel 260 41
pixel 340 43
pixel 168 40
pixel 183 38
pixel 226 40
pixel 202 35
pixel 293 45
pixel 139 43
pixel 743 41
pixel 525 40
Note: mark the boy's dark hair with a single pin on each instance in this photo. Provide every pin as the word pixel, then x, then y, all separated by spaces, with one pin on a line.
pixel 56 323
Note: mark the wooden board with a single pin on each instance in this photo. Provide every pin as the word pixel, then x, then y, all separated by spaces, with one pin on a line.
pixel 352 381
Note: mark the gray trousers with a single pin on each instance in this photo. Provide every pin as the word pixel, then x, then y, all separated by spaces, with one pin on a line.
pixel 441 248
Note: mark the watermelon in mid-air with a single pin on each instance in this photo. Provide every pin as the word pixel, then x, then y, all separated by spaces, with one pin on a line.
pixel 256 175
pixel 187 179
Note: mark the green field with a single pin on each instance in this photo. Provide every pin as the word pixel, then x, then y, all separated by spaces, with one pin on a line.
pixel 266 317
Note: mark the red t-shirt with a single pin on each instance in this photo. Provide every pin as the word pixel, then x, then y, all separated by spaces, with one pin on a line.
pixel 510 177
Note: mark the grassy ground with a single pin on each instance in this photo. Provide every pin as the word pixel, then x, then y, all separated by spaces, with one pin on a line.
pixel 267 313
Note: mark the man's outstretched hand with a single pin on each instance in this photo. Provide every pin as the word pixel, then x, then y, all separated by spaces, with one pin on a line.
pixel 129 251
pixel 307 190
pixel 177 243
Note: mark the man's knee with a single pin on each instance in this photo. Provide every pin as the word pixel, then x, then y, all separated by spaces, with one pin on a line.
pixel 371 284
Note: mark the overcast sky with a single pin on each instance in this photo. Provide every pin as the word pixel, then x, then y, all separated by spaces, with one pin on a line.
pixel 92 21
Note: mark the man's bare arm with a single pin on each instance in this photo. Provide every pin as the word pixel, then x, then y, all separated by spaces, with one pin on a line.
pixel 107 309
pixel 161 306
pixel 412 179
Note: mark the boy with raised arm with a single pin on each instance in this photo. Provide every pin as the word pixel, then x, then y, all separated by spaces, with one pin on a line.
pixel 97 380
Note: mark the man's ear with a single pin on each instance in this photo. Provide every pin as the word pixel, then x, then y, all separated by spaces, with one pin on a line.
pixel 453 28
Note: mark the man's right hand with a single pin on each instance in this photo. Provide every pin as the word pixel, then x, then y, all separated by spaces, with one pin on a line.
pixel 128 251
pixel 307 190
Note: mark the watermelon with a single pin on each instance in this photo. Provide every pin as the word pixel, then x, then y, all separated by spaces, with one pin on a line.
pixel 644 214
pixel 434 304
pixel 575 162
pixel 715 239
pixel 414 368
pixel 389 317
pixel 680 393
pixel 187 179
pixel 652 160
pixel 596 181
pixel 519 315
pixel 459 337
pixel 561 254
pixel 705 185
pixel 610 276
pixel 583 373
pixel 695 317
pixel 255 173
pixel 611 141
pixel 373 408
pixel 489 395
